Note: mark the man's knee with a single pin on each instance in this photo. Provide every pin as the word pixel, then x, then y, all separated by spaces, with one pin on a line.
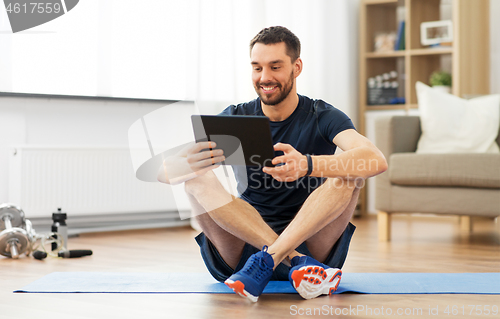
pixel 344 187
pixel 202 183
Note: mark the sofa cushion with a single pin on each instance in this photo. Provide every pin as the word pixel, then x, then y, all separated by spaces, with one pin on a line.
pixel 454 125
pixel 460 170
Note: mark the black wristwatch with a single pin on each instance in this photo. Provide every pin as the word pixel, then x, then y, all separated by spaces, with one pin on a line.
pixel 309 165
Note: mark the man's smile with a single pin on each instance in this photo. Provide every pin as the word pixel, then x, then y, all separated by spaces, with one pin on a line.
pixel 269 89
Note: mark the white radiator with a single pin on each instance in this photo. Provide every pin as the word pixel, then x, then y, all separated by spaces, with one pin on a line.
pixel 83 181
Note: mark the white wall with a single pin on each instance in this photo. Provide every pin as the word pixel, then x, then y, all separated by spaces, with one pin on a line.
pixel 63 122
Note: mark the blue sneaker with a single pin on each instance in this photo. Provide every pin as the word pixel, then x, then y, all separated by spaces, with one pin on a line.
pixel 250 281
pixel 311 278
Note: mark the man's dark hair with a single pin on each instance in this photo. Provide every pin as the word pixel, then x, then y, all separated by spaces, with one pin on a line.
pixel 274 35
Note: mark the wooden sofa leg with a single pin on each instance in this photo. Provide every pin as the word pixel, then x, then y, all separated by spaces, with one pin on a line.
pixel 384 226
pixel 466 224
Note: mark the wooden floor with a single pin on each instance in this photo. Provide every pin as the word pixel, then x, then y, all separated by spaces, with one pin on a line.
pixel 420 244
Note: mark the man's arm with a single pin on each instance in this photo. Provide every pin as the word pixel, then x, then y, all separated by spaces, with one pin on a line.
pixel 360 159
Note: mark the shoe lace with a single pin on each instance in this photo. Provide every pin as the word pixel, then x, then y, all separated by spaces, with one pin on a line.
pixel 257 267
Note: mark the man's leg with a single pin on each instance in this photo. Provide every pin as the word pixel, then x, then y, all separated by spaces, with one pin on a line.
pixel 229 246
pixel 321 244
pixel 248 226
pixel 320 223
pixel 323 207
pixel 229 222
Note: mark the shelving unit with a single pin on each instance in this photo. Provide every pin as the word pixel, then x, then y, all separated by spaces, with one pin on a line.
pixel 467 59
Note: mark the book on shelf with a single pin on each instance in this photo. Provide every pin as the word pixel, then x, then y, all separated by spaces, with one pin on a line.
pixel 400 40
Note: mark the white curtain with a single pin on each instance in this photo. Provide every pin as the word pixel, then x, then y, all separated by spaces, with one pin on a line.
pixel 328 33
pixel 171 49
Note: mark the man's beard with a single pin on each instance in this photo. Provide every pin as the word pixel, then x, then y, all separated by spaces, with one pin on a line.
pixel 283 92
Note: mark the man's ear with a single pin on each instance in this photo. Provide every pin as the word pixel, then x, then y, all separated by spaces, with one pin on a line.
pixel 297 67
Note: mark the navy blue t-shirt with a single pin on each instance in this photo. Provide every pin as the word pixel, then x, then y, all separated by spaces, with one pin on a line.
pixel 310 129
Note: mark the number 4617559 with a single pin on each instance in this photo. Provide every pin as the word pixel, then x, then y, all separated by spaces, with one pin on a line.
pixel 471 310
pixel 34 7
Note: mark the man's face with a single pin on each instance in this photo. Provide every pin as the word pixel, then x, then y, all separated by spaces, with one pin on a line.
pixel 273 72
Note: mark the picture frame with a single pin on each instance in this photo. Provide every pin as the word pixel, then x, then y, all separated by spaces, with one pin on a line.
pixel 436 32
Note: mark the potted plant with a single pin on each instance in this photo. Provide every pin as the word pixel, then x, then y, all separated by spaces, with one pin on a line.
pixel 441 80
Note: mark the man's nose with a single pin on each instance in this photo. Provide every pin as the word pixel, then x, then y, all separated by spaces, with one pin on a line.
pixel 266 75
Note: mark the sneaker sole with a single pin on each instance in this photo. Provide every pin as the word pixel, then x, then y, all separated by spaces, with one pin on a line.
pixel 239 288
pixel 313 281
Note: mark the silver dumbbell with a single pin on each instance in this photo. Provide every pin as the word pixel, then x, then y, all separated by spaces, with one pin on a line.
pixel 14 239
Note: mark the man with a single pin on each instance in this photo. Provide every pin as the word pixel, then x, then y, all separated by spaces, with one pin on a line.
pixel 298 212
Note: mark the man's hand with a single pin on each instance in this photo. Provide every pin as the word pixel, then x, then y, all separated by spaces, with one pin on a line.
pixel 294 164
pixel 192 161
pixel 201 162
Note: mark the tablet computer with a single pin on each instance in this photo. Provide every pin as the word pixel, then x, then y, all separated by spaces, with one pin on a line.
pixel 245 140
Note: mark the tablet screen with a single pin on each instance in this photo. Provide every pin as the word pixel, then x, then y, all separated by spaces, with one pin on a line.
pixel 245 140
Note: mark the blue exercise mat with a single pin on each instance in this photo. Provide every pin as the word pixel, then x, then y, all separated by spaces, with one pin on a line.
pixel 367 283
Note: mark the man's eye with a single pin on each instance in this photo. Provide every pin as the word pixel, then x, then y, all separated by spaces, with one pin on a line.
pixel 276 68
pixel 257 69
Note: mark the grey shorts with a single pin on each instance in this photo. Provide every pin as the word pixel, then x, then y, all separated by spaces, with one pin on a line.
pixel 221 271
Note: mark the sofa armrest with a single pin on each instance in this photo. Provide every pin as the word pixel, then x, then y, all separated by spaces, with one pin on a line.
pixel 397 134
